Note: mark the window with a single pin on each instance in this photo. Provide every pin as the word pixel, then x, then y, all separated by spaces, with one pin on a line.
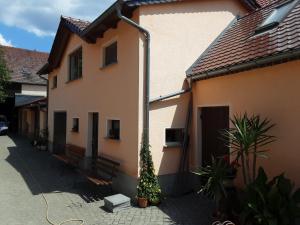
pixel 276 16
pixel 174 137
pixel 111 54
pixel 75 127
pixel 54 82
pixel 113 129
pixel 75 70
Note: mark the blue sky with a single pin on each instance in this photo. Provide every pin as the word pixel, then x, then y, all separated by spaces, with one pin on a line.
pixel 32 24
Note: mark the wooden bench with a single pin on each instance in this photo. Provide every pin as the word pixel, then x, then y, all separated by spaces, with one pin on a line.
pixel 73 157
pixel 103 171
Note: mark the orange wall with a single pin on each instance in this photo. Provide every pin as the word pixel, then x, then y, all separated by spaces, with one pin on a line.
pixel 271 92
pixel 110 91
pixel 180 32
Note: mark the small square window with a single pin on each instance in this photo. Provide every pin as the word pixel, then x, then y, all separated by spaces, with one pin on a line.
pixel 174 136
pixel 111 54
pixel 75 127
pixel 277 15
pixel 54 82
pixel 113 129
pixel 75 65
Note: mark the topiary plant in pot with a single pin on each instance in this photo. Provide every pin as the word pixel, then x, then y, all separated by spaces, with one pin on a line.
pixel 148 188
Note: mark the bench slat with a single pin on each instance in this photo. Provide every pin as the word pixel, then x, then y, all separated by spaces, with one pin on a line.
pixel 98 181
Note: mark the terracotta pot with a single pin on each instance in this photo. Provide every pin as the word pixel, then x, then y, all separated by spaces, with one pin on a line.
pixel 143 202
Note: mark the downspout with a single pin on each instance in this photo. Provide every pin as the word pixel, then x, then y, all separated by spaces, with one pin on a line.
pixel 147 69
pixel 43 78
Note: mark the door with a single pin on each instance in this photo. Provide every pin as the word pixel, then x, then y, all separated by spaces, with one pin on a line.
pixel 214 120
pixel 95 120
pixel 59 132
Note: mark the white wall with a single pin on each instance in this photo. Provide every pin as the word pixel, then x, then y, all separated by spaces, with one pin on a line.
pixel 36 90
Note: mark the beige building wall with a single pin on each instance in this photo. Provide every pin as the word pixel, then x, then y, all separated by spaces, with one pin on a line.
pixel 111 91
pixel 43 119
pixel 272 92
pixel 28 122
pixel 179 33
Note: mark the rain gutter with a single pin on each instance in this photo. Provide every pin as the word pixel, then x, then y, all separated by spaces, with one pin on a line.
pixel 257 63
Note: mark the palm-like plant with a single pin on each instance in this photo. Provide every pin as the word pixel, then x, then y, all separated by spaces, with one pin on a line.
pixel 247 138
pixel 214 175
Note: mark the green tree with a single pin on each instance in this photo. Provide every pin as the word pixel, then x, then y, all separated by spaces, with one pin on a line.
pixel 4 76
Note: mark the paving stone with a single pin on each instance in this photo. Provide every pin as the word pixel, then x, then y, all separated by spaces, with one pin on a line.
pixel 26 173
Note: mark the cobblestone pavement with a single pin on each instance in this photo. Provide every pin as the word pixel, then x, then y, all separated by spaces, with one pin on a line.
pixel 25 173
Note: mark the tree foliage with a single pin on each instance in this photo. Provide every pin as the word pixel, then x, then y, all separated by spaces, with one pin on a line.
pixel 4 76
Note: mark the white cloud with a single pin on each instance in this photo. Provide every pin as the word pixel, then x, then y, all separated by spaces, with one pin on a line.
pixel 5 42
pixel 42 17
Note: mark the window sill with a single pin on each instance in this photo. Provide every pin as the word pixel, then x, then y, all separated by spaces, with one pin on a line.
pixel 113 139
pixel 173 145
pixel 53 88
pixel 108 66
pixel 71 81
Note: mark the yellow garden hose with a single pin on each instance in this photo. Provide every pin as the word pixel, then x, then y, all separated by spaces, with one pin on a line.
pixel 64 222
pixel 43 195
pixel 224 223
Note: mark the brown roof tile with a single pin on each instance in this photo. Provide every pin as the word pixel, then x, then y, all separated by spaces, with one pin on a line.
pixel 77 24
pixel 239 44
pixel 24 64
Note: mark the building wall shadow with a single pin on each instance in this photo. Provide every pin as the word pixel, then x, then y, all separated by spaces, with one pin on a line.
pixel 42 173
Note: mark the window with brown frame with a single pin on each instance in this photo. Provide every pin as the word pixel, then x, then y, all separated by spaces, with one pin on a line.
pixel 111 54
pixel 75 66
pixel 54 82
pixel 113 129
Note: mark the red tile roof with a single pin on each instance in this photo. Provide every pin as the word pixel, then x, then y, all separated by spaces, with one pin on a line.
pixel 91 31
pixel 238 44
pixel 77 24
pixel 24 64
pixel 264 3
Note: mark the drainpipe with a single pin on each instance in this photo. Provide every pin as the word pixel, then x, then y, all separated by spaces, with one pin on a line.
pixel 43 78
pixel 147 68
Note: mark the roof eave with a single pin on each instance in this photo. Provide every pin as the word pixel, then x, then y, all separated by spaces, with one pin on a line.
pixel 253 64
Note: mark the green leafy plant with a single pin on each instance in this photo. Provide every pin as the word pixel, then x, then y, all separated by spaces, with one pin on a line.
pixel 247 139
pixel 43 138
pixel 270 202
pixel 213 177
pixel 148 185
pixel 4 77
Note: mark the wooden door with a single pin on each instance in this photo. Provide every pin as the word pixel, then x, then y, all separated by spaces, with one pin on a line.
pixel 59 132
pixel 95 121
pixel 214 120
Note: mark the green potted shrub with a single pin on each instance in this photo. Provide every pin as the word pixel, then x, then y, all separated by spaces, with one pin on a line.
pixel 148 189
pixel 42 141
pixel 213 180
pixel 247 140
